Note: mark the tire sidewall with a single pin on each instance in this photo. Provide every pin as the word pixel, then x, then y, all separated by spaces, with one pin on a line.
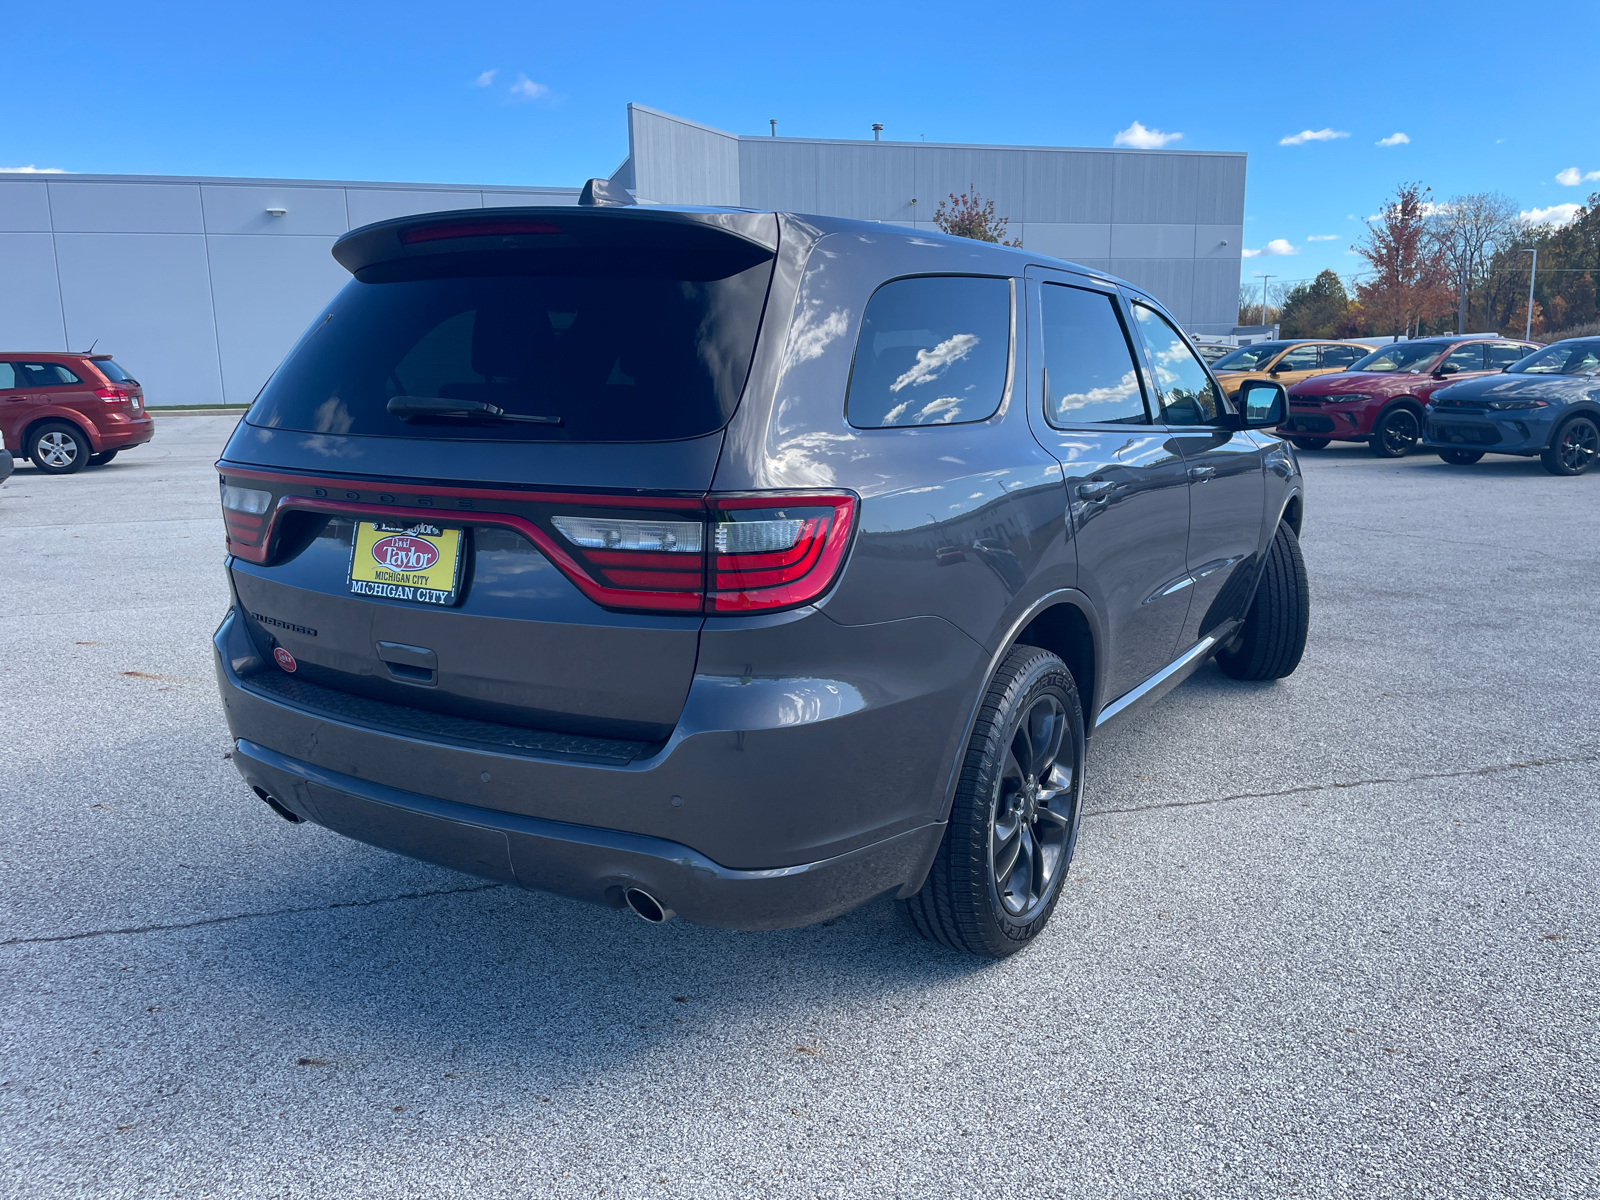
pixel 1552 457
pixel 1382 423
pixel 79 460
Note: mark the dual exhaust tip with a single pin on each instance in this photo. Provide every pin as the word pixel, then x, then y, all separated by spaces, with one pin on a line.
pixel 647 906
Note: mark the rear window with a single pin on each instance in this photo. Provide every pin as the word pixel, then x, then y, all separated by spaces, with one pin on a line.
pixel 111 371
pixel 623 354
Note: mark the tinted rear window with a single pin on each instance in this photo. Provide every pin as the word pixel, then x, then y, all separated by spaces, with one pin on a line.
pixel 46 374
pixel 622 354
pixel 111 371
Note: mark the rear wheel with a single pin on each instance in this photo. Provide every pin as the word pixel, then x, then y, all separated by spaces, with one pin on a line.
pixel 1014 823
pixel 1396 432
pixel 1574 448
pixel 101 459
pixel 1306 443
pixel 1274 634
pixel 57 448
pixel 1461 458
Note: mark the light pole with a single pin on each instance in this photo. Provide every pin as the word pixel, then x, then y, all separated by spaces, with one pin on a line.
pixel 1527 332
pixel 1264 279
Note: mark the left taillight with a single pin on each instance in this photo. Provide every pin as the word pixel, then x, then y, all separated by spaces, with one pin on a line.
pixel 772 551
pixel 114 395
pixel 244 514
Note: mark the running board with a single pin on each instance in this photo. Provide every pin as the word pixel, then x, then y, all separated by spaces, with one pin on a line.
pixel 1168 676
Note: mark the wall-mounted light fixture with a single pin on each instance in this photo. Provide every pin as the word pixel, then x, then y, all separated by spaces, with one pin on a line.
pixel 277 212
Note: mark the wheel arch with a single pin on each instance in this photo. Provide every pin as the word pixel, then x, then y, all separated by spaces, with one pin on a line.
pixel 90 435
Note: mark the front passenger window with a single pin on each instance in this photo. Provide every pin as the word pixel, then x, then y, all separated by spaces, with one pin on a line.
pixel 1188 397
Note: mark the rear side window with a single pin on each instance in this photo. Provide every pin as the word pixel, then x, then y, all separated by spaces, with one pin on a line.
pixel 1301 358
pixel 934 350
pixel 1464 358
pixel 1089 373
pixel 46 375
pixel 623 354
pixel 8 377
pixel 1341 356
pixel 1503 354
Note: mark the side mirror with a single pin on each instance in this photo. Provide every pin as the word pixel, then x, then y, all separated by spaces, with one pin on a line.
pixel 1446 369
pixel 1263 404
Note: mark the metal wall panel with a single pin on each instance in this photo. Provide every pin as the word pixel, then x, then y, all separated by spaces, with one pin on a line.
pixel 1216 295
pixel 238 209
pixel 1219 188
pixel 1000 175
pixel 536 199
pixel 779 175
pixel 104 207
pixel 682 162
pixel 1152 241
pixel 380 204
pixel 1072 186
pixel 266 291
pixel 30 300
pixel 157 320
pixel 1219 241
pixel 869 181
pixel 1156 187
pixel 1169 280
pixel 1072 242
pixel 24 207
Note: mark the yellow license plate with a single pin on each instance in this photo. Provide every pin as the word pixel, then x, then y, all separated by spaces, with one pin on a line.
pixel 418 562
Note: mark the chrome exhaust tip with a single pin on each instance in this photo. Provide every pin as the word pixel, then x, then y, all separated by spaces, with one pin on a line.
pixel 647 906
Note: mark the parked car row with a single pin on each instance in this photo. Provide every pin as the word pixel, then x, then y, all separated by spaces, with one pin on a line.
pixel 66 411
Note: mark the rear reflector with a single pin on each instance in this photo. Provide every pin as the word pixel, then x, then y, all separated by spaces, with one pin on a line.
pixel 469 229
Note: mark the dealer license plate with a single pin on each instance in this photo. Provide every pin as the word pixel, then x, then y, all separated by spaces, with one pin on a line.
pixel 400 561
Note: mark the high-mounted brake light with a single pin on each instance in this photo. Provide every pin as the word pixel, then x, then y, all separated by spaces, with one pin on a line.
pixel 473 229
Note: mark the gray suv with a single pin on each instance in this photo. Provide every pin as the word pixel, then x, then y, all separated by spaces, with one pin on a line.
pixel 739 565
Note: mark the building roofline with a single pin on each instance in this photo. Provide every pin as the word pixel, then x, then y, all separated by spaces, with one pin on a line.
pixel 756 137
pixel 252 181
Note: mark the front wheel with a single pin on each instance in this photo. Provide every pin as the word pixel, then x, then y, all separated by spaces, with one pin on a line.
pixel 1014 824
pixel 1396 432
pixel 58 448
pixel 1274 634
pixel 1461 458
pixel 1306 443
pixel 1572 451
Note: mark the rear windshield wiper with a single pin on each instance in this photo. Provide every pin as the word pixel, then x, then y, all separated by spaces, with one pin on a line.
pixel 408 408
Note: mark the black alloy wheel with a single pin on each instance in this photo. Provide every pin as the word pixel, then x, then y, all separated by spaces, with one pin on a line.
pixel 1574 448
pixel 1461 458
pixel 1309 443
pixel 101 459
pixel 1014 824
pixel 1397 431
pixel 58 448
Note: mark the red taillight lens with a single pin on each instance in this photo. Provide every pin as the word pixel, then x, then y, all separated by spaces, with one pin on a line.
pixel 774 551
pixel 113 395
pixel 466 229
pixel 633 560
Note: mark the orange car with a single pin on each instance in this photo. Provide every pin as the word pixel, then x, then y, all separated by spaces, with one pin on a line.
pixel 1285 362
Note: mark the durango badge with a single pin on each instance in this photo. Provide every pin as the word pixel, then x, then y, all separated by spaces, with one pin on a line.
pixel 285 660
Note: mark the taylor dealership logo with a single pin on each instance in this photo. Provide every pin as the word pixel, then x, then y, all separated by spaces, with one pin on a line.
pixel 405 553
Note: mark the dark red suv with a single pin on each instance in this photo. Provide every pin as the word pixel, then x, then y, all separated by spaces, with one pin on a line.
pixel 64 410
pixel 1378 399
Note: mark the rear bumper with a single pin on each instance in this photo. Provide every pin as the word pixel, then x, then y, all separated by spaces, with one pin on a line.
pixel 777 802
pixel 123 435
pixel 582 862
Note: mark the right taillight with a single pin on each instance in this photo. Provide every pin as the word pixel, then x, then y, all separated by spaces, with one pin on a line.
pixel 772 551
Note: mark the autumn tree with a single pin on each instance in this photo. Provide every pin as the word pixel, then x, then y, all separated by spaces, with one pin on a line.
pixel 1467 231
pixel 1410 283
pixel 1316 308
pixel 969 215
pixel 1565 292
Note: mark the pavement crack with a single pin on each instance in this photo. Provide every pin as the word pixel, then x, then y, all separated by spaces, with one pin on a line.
pixel 1493 769
pixel 251 916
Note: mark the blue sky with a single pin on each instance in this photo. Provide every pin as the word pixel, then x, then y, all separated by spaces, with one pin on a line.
pixel 1487 99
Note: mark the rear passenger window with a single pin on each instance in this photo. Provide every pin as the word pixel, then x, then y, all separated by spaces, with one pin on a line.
pixel 1341 356
pixel 1502 355
pixel 8 377
pixel 1089 374
pixel 47 375
pixel 1465 358
pixel 934 350
pixel 1301 358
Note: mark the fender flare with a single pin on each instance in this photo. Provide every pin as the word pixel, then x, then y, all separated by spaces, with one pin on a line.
pixel 68 416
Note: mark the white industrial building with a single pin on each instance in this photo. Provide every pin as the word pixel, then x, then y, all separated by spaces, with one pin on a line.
pixel 200 286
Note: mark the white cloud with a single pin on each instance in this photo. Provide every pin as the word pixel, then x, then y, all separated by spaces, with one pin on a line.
pixel 1323 237
pixel 1274 247
pixel 933 363
pixel 1394 139
pixel 526 89
pixel 1572 177
pixel 1140 138
pixel 30 169
pixel 487 78
pixel 1555 215
pixel 1311 135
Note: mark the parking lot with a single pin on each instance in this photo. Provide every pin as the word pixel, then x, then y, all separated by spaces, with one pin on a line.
pixel 1333 936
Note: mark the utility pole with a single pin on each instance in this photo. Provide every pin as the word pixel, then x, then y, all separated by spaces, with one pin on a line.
pixel 1461 312
pixel 1527 332
pixel 1264 279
